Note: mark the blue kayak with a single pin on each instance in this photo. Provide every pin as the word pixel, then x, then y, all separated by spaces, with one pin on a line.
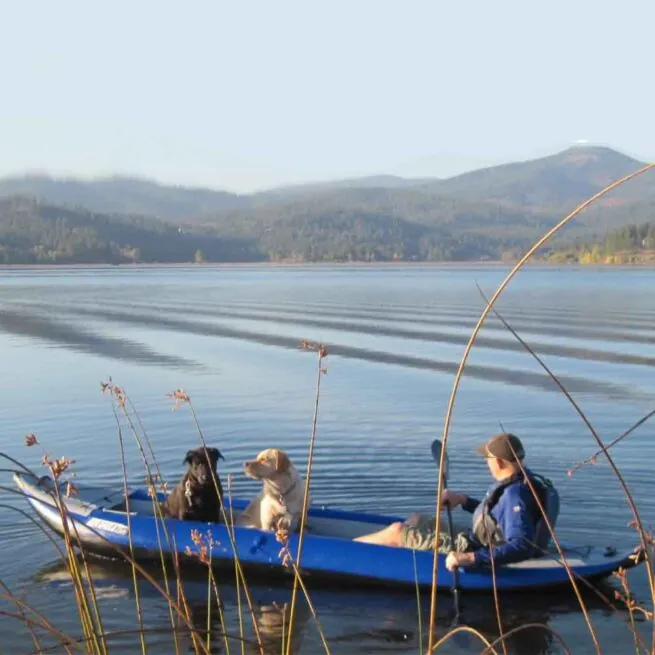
pixel 101 522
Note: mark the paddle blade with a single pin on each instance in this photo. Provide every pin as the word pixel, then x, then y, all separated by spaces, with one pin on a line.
pixel 436 447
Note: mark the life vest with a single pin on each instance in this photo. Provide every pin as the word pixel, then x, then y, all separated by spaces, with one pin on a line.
pixel 487 531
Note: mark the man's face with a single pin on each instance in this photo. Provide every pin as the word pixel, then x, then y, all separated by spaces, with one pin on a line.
pixel 495 467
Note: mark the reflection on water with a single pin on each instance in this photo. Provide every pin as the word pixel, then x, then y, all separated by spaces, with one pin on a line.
pixel 43 328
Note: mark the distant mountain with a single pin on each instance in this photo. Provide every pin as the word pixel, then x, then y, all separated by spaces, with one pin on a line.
pixel 485 214
pixel 545 184
pixel 557 181
pixel 122 195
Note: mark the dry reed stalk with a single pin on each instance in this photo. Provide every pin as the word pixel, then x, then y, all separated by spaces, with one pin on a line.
pixel 35 639
pixel 132 562
pixel 122 400
pixel 10 471
pixel 204 555
pixel 183 603
pixel 312 609
pixel 284 620
pixel 94 598
pixel 526 626
pixel 592 459
pixel 113 633
pixel 40 621
pixel 181 397
pixel 560 552
pixel 592 588
pixel 96 629
pixel 239 610
pixel 531 486
pixel 467 350
pixel 221 615
pixel 180 612
pixel 100 627
pixel 30 440
pixel 209 600
pixel 41 527
pixel 159 516
pixel 78 585
pixel 645 540
pixel 462 628
pixel 135 582
pixel 629 603
pixel 322 352
pixel 145 436
pixel 65 643
pixel 418 606
pixel 132 631
pixel 56 468
pixel 499 619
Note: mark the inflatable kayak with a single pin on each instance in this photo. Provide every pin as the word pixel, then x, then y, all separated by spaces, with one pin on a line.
pixel 101 522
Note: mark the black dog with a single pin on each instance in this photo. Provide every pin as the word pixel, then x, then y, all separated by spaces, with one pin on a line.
pixel 195 497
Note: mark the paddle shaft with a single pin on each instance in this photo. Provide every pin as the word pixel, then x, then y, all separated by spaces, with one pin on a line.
pixel 452 541
pixel 436 450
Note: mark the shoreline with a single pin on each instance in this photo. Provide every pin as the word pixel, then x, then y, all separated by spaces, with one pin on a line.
pixel 292 264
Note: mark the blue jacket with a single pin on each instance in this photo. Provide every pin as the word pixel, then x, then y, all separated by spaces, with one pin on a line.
pixel 516 513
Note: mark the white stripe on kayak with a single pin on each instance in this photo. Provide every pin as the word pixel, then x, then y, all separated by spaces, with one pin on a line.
pixel 107 526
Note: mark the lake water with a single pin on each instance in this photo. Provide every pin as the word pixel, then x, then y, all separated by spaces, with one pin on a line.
pixel 229 336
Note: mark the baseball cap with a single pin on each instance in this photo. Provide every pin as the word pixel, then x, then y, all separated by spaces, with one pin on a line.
pixel 503 446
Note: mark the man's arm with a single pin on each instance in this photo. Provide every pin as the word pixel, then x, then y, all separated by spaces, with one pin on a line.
pixel 470 505
pixel 455 499
pixel 516 522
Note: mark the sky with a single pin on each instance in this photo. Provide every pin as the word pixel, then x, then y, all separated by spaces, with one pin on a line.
pixel 249 95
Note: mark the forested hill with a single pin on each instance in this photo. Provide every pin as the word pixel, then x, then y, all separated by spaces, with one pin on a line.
pixel 631 244
pixel 32 232
pixel 486 214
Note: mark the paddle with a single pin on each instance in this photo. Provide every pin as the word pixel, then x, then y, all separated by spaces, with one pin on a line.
pixel 436 447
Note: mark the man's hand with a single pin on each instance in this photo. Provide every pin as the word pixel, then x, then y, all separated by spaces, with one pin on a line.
pixel 452 498
pixel 459 559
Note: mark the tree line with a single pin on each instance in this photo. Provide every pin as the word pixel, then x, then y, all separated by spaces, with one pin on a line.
pixel 630 244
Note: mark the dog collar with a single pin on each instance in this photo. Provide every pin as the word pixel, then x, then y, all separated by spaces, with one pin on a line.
pixel 289 490
pixel 282 496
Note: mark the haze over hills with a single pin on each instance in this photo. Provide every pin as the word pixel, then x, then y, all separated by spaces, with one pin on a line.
pixel 368 182
pixel 121 195
pixel 484 214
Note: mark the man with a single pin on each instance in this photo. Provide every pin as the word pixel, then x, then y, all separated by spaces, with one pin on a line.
pixel 504 523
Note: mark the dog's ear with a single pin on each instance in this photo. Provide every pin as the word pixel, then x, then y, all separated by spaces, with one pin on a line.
pixel 214 455
pixel 189 457
pixel 282 462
